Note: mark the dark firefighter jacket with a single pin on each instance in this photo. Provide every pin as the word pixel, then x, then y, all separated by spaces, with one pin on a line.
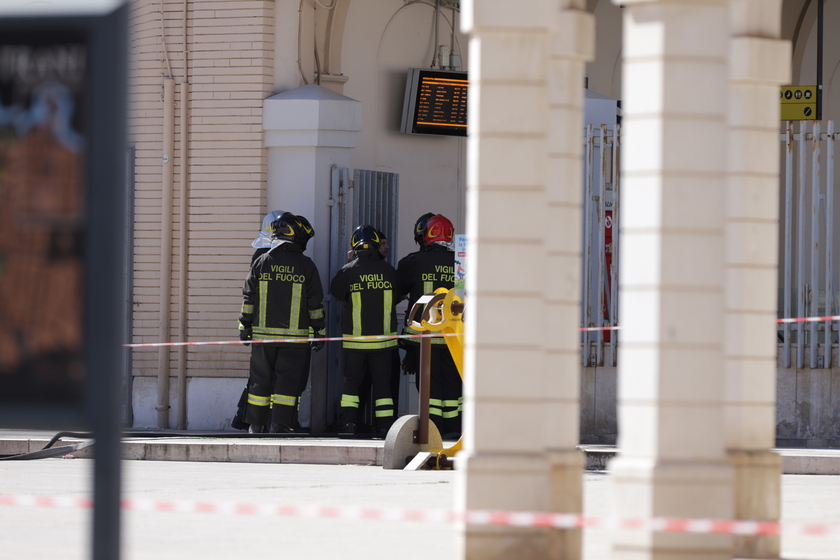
pixel 283 296
pixel 366 287
pixel 423 272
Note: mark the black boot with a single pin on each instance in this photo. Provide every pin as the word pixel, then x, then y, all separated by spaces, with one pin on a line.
pixel 281 429
pixel 256 429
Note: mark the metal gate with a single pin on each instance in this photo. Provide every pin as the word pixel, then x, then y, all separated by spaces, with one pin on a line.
pixel 807 251
pixel 601 202
pixel 370 197
pixel 807 267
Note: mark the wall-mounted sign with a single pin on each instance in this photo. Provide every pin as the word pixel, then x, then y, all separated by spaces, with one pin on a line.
pixel 460 264
pixel 798 103
pixel 43 135
pixel 61 179
pixel 435 102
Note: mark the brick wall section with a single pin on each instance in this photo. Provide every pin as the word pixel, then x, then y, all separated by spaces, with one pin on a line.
pixel 230 72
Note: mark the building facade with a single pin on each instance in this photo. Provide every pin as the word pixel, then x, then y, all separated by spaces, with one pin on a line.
pixel 242 107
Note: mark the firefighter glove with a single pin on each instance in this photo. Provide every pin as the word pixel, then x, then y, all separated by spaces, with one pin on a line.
pixel 316 345
pixel 411 361
pixel 245 334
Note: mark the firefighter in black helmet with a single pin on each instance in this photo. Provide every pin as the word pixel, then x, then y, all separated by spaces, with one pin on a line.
pixel 282 300
pixel 366 287
pixel 419 273
pixel 262 244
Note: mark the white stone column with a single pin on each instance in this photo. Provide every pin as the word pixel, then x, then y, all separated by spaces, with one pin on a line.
pixel 758 64
pixel 572 44
pixel 307 131
pixel 672 458
pixel 504 464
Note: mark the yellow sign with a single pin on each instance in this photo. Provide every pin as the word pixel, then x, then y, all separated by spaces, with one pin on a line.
pixel 799 103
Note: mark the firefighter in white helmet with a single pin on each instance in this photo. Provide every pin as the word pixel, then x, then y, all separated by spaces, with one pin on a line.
pixel 283 299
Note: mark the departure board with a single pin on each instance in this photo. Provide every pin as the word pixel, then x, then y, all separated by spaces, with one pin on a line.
pixel 435 103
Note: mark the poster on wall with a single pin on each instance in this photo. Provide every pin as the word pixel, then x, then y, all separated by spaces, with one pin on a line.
pixel 460 264
pixel 43 105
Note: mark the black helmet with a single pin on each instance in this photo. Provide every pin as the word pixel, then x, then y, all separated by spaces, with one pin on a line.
pixel 366 237
pixel 420 228
pixel 291 228
pixel 305 232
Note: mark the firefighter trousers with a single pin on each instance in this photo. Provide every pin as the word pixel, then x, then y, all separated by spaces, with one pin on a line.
pixel 445 391
pixel 357 364
pixel 239 423
pixel 274 382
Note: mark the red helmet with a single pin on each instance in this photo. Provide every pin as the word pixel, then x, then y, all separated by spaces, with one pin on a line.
pixel 439 228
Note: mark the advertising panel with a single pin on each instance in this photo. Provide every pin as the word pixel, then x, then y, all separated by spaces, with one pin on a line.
pixel 43 106
pixel 460 264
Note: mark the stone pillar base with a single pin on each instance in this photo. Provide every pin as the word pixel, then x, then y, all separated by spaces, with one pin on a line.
pixel 565 479
pixel 672 488
pixel 758 496
pixel 504 482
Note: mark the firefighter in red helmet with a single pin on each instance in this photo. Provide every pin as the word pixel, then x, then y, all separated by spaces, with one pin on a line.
pixel 419 273
pixel 411 361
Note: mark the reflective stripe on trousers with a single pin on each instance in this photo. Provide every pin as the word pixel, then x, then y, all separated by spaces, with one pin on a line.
pixel 384 408
pixel 258 400
pixel 350 401
pixel 283 400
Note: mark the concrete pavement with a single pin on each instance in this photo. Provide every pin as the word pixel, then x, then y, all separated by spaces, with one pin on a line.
pixel 37 533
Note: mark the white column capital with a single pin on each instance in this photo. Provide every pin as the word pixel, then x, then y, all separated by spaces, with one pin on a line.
pixel 311 116
pixel 757 18
pixel 504 14
pixel 573 35
pixel 759 60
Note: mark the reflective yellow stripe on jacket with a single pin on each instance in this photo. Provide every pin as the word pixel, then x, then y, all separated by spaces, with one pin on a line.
pixel 373 344
pixel 261 317
pixel 294 319
pixel 261 332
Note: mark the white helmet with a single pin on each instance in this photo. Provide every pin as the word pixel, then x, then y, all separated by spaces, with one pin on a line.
pixel 264 238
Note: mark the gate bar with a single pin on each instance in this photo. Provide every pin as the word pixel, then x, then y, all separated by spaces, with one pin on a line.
pixel 788 237
pixel 829 237
pixel 602 257
pixel 615 236
pixel 800 248
pixel 587 248
pixel 815 242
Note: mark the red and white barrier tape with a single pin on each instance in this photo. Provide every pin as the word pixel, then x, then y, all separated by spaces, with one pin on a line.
pixel 278 340
pixel 302 340
pixel 780 321
pixel 475 517
pixel 809 319
pixel 386 337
